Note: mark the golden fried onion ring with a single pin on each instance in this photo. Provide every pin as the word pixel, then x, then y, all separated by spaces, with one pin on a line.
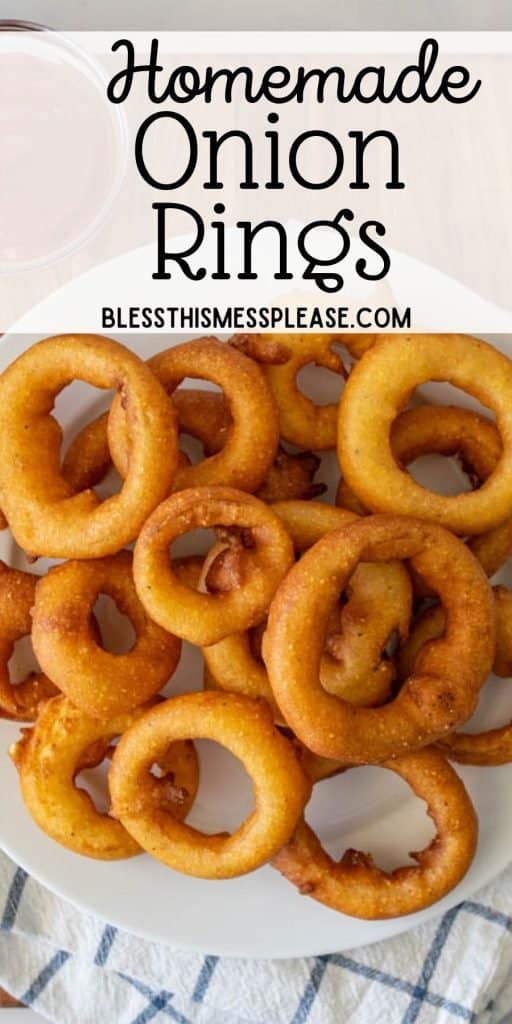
pixel 450 430
pixel 442 430
pixel 17 593
pixel 448 675
pixel 282 356
pixel 356 886
pixel 203 415
pixel 492 746
pixel 206 618
pixel 317 768
pixel 240 463
pixel 61 744
pixel 291 477
pixel 381 384
pixel 352 666
pixel 45 516
pixel 88 460
pixel 245 728
pixel 99 682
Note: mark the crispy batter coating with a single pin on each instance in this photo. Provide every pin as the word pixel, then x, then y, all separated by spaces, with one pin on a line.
pixel 88 459
pixel 449 430
pixel 205 416
pixel 356 886
pixel 354 664
pixel 492 746
pixel 206 618
pixel 299 607
pixel 99 682
pixel 246 728
pixel 17 594
pixel 316 768
pixel 240 462
pixel 283 356
pixel 63 742
pixel 443 690
pixel 44 514
pixel 292 477
pixel 378 388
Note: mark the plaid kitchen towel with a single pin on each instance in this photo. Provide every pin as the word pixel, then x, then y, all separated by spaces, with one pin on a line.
pixel 75 969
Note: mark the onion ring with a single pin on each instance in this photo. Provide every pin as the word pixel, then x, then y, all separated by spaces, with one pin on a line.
pixel 205 618
pixel 45 516
pixel 441 430
pixel 283 356
pixel 316 768
pixel 444 689
pixel 380 384
pixel 240 463
pixel 88 460
pixel 352 666
pixel 494 547
pixel 291 477
pixel 100 683
pixel 503 654
pixel 62 743
pixel 17 593
pixel 189 569
pixel 244 727
pixel 233 665
pixel 203 415
pixel 492 746
pixel 449 430
pixel 356 886
pixel 379 603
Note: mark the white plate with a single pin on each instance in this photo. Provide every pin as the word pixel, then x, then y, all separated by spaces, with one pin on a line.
pixel 258 915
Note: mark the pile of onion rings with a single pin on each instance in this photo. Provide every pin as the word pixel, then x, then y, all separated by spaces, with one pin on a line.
pixel 332 636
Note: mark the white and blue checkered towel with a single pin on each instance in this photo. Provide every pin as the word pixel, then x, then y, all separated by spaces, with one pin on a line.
pixel 74 969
